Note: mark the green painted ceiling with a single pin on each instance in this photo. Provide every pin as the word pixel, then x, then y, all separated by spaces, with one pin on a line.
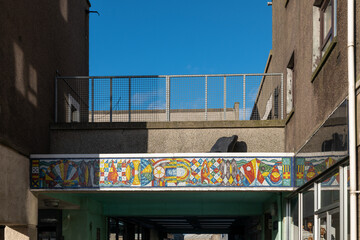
pixel 172 203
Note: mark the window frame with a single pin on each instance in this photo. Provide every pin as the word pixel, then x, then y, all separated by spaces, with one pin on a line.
pixel 324 40
pixel 338 207
pixel 328 216
pixel 73 108
pixel 290 84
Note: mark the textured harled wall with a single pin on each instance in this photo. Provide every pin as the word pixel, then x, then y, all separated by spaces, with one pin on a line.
pixel 313 100
pixel 201 140
pixel 165 137
pixel 18 206
pixel 37 39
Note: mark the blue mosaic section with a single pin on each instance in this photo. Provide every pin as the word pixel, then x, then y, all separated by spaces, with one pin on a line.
pixel 307 168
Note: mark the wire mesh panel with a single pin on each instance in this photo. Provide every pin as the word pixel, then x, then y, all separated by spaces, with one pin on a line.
pixel 264 97
pixel 148 99
pixel 120 100
pixel 187 98
pixel 251 86
pixel 234 97
pixel 215 98
pixel 169 98
pixel 100 100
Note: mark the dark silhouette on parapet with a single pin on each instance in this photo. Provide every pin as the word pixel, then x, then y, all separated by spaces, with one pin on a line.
pixel 229 144
pixel 240 147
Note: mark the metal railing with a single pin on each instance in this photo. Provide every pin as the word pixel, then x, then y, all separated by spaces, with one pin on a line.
pixel 169 98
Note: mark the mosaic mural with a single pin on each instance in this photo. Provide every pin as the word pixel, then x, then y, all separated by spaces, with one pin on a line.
pixel 306 168
pixel 161 172
pixel 65 173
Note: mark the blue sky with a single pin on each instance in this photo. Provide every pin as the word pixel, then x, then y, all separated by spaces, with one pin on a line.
pixel 158 37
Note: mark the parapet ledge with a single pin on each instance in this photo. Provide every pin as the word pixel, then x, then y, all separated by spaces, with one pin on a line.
pixel 170 125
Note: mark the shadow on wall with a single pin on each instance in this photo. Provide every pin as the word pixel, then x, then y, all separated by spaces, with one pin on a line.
pixel 97 138
pixel 37 41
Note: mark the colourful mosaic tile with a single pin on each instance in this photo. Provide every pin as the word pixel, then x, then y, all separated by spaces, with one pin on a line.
pixel 162 172
pixel 64 173
pixel 308 168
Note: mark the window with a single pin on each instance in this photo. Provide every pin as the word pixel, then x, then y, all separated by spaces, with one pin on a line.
pixel 324 28
pixel 290 85
pixel 308 215
pixel 276 103
pixel 330 191
pixel 326 24
pixel 294 218
pixel 329 207
pixel 73 114
pixel 321 211
pixel 269 106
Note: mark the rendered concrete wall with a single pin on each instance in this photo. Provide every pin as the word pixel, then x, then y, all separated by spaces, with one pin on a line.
pixel 20 232
pixel 18 206
pixel 168 137
pixel 201 140
pixel 37 39
pixel 313 100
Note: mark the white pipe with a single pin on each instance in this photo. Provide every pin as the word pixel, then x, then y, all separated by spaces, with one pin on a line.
pixel 352 118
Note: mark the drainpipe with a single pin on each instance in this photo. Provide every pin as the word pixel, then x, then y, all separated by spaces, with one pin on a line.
pixel 352 118
pixel 280 216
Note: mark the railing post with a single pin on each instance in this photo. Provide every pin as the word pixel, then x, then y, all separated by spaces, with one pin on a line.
pixel 56 100
pixel 224 97
pixel 282 96
pixel 111 99
pixel 92 99
pixel 129 99
pixel 167 98
pixel 244 97
pixel 206 98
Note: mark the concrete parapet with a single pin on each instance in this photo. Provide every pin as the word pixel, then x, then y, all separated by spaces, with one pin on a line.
pixel 164 137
